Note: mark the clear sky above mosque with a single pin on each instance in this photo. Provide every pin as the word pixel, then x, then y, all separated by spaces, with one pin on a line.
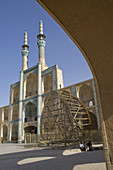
pixel 15 17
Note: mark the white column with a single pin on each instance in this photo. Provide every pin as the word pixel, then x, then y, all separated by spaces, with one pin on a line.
pixel 9 119
pixel 39 101
pixel 96 104
pixel 20 109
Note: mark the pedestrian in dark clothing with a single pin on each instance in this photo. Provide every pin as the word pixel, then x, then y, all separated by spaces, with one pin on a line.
pixel 89 146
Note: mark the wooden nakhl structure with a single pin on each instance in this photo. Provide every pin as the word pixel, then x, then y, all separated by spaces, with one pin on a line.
pixel 63 117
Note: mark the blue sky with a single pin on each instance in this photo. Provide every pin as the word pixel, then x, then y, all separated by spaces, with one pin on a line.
pixel 15 17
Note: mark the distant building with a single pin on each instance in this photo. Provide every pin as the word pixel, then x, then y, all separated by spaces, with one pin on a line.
pixel 32 100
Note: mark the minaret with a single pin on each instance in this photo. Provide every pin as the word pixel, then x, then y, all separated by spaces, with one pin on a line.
pixel 41 45
pixel 25 52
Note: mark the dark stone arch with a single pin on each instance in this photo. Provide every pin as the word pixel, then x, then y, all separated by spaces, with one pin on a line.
pixel 5 130
pixel 14 136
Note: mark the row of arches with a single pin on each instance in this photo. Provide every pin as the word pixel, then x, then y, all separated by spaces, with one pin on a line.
pixel 14 116
pixel 31 115
pixel 14 132
pixel 30 86
pixel 85 95
pixel 30 112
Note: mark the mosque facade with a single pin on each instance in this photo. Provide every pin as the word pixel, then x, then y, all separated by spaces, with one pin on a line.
pixel 33 99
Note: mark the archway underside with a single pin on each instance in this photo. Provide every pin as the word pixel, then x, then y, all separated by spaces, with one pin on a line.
pixel 89 24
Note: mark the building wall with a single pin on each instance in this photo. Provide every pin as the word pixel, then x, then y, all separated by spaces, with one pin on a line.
pixel 4 123
pixel 60 83
pixel 85 92
pixel 52 78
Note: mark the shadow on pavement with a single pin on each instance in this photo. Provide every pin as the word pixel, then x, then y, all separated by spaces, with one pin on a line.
pixel 9 161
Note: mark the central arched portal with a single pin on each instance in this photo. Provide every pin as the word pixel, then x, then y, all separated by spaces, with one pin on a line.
pixel 30 112
pixel 30 122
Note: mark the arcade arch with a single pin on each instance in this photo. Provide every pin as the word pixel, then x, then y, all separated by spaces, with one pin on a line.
pixel 15 97
pixel 15 113
pixel 86 95
pixel 48 83
pixel 6 114
pixel 31 85
pixel 14 136
pixel 5 130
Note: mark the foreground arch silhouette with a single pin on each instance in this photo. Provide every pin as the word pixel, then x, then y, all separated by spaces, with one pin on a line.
pixel 90 25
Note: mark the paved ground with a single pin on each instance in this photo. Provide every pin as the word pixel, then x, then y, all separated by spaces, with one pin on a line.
pixel 12 148
pixel 46 159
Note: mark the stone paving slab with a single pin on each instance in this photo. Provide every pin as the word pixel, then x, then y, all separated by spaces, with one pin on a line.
pixel 94 166
pixel 12 148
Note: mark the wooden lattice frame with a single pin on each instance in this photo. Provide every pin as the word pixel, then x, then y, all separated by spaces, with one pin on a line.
pixel 63 116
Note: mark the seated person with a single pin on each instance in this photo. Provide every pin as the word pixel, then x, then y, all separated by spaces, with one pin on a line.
pixel 89 146
pixel 82 147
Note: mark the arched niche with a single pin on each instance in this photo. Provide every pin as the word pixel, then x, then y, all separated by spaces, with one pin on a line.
pixel 15 113
pixel 86 95
pixel 15 95
pixel 48 83
pixel 31 85
pixel 6 114
pixel 14 136
pixel 30 112
pixel 5 129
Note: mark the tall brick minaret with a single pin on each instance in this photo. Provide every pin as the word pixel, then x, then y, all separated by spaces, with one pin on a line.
pixel 41 45
pixel 25 52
